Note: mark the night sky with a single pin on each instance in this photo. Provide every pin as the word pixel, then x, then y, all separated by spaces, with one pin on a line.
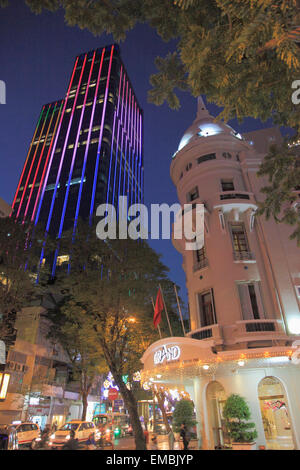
pixel 36 59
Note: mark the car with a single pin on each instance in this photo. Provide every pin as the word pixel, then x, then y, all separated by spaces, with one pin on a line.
pixel 28 434
pixel 83 429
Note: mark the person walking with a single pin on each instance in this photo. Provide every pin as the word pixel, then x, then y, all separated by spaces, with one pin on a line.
pixel 153 444
pixel 171 440
pixel 72 443
pixel 185 436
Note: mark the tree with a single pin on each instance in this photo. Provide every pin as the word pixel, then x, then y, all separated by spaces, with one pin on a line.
pixel 237 414
pixel 243 54
pixel 183 414
pixel 112 282
pixel 282 168
pixel 20 248
pixel 75 333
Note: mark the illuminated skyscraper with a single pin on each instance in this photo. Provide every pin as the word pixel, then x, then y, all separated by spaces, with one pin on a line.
pixel 87 149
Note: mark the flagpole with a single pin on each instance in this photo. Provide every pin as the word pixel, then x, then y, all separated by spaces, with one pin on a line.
pixel 179 309
pixel 154 311
pixel 171 332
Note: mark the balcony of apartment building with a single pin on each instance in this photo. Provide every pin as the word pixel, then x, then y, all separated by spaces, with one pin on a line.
pixel 211 335
pixel 259 330
pixel 241 201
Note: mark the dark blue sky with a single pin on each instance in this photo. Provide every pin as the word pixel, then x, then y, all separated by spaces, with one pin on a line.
pixel 36 59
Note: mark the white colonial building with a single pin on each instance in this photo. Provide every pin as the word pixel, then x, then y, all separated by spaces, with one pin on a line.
pixel 243 287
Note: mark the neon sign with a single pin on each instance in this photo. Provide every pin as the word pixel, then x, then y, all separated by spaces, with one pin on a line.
pixel 167 354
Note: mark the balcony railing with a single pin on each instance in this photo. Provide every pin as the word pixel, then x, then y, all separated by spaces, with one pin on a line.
pixel 243 256
pixel 260 326
pixel 226 196
pixel 200 264
pixel 210 332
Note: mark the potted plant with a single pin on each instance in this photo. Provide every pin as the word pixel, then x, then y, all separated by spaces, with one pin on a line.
pixel 237 414
pixel 184 414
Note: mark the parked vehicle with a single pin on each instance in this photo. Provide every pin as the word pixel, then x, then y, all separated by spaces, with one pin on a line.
pixel 8 438
pixel 116 424
pixel 82 430
pixel 28 434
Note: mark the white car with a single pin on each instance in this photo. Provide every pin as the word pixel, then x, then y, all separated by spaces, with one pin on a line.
pixel 83 429
pixel 28 434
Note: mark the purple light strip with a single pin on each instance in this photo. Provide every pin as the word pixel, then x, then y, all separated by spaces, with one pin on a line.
pixel 64 148
pixel 75 148
pixel 100 136
pixel 88 143
pixel 111 156
pixel 54 147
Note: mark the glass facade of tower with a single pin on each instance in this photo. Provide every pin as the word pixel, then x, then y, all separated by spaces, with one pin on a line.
pixel 87 149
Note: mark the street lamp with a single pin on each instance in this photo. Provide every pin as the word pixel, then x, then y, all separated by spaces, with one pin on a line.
pixel 131 320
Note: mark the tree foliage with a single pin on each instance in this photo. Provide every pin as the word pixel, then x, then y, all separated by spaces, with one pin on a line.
pixel 242 55
pixel 237 414
pixel 183 414
pixel 20 248
pixel 282 168
pixel 111 284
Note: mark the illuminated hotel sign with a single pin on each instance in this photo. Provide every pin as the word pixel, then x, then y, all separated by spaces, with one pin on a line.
pixel 166 354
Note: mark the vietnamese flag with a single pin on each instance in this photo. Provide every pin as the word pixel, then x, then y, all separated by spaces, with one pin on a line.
pixel 158 309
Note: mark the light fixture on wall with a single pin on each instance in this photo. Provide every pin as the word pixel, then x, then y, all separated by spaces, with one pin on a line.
pixel 4 381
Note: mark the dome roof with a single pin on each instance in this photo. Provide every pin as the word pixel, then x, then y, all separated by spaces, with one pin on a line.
pixel 205 126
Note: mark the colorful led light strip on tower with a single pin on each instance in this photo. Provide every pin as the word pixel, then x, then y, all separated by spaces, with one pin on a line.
pixel 40 159
pixel 75 149
pixel 116 114
pixel 50 163
pixel 65 147
pixel 116 161
pixel 88 142
pixel 111 156
pixel 100 136
pixel 31 166
pixel 72 163
pixel 55 142
pixel 46 162
pixel 25 164
pixel 122 160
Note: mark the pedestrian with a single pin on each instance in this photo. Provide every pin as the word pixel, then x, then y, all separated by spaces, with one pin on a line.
pixel 146 434
pixel 184 434
pixel 171 439
pixel 91 443
pixel 72 443
pixel 153 444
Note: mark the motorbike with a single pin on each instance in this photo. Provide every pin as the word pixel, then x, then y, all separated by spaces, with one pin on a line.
pixel 43 442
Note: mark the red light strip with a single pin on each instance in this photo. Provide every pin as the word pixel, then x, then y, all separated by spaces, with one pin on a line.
pixel 39 162
pixel 55 142
pixel 31 166
pixel 25 164
pixel 46 163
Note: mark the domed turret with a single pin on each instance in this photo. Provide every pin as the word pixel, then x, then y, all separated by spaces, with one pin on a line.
pixel 204 126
